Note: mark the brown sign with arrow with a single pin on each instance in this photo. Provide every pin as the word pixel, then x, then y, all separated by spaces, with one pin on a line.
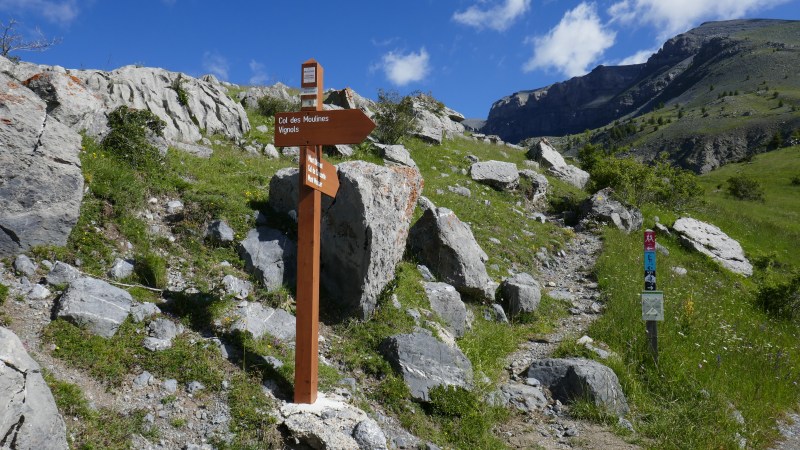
pixel 321 175
pixel 343 126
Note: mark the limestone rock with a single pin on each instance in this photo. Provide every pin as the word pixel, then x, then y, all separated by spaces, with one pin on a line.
pixel 498 174
pixel 208 106
pixel 397 154
pixel 521 293
pixel 570 174
pixel 95 305
pixel 446 302
pixel 546 155
pixel 68 100
pixel 269 255
pixel 220 231
pixel 602 207
pixel 41 183
pixel 574 378
pixel 520 396
pixel 446 245
pixel 260 320
pixel 161 333
pixel 236 287
pixel 364 230
pixel 24 266
pixel 424 362
pixel 201 151
pixel 62 273
pixel 121 269
pixel 434 123
pixel 29 419
pixel 713 242
pixel 331 423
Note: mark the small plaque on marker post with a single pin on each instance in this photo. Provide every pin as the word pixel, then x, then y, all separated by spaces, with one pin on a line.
pixel 653 306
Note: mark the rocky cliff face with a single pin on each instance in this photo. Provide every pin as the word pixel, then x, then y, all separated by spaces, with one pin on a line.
pixel 609 93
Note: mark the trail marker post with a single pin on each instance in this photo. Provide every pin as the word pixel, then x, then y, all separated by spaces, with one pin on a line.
pixel 652 300
pixel 311 128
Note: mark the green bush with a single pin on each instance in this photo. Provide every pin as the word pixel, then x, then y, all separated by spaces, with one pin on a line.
pixel 796 180
pixel 3 293
pixel 452 401
pixel 394 117
pixel 177 86
pixel 268 106
pixel 745 187
pixel 781 299
pixel 637 183
pixel 152 270
pixel 127 139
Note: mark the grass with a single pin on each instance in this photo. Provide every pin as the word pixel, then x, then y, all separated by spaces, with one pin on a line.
pixel 95 428
pixel 718 352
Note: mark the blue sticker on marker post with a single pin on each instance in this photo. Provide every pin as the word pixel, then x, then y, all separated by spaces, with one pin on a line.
pixel 649 261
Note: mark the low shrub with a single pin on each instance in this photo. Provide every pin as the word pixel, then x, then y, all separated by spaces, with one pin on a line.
pixel 394 117
pixel 796 180
pixel 452 401
pixel 268 106
pixel 177 86
pixel 128 137
pixel 3 293
pixel 745 187
pixel 780 298
pixel 152 270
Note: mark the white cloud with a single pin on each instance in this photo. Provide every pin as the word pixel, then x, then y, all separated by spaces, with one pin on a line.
pixel 575 43
pixel 498 17
pixel 403 69
pixel 216 64
pixel 259 74
pixel 60 12
pixel 637 58
pixel 676 16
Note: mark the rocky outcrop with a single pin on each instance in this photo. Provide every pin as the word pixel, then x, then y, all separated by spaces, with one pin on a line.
pixel 435 122
pixel 570 379
pixel 396 155
pixel 269 255
pixel 364 230
pixel 29 419
pixel 95 306
pixel 250 97
pixel 424 363
pixel 713 242
pixel 446 245
pixel 207 107
pixel 500 175
pixel 603 208
pixel 41 184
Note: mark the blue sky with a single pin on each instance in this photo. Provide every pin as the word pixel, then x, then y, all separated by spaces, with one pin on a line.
pixel 467 53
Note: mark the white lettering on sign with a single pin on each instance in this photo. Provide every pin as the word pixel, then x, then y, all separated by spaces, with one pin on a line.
pixel 308 103
pixel 315 119
pixel 313 180
pixel 308 91
pixel 288 130
pixel 309 75
pixel 313 160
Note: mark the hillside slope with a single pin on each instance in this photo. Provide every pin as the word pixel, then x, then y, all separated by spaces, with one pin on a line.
pixel 734 81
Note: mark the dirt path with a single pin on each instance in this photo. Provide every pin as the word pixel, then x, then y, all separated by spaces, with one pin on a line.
pixel 565 276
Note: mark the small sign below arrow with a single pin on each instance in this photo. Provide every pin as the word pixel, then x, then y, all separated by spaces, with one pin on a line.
pixel 653 306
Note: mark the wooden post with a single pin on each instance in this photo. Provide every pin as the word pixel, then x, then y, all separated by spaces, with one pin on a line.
pixel 650 285
pixel 308 245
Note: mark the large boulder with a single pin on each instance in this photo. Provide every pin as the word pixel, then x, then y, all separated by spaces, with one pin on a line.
pixel 41 184
pixel 425 362
pixel 29 419
pixel 446 302
pixel 396 154
pixel 549 158
pixel 349 99
pixel 95 305
pixel 498 174
pixel 602 207
pixel 446 245
pixel 280 91
pixel 364 230
pixel 578 378
pixel 207 107
pixel 269 255
pixel 713 242
pixel 521 293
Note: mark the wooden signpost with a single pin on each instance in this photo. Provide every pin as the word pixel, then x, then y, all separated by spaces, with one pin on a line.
pixel 652 300
pixel 310 129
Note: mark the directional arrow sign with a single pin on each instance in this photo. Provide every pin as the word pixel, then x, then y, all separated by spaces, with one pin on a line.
pixel 341 126
pixel 321 175
pixel 653 306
